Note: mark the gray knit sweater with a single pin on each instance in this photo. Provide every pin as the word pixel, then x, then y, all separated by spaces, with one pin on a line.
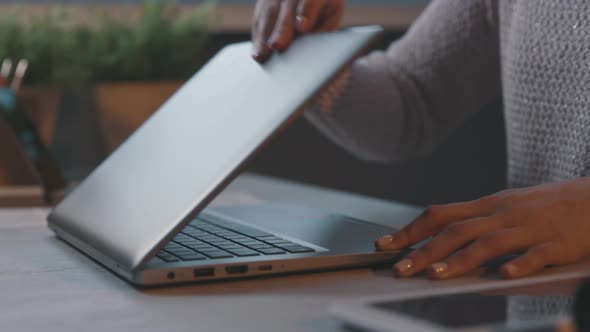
pixel 461 55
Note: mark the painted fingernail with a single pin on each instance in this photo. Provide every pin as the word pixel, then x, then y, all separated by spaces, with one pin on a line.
pixel 387 239
pixel 438 269
pixel 404 266
pixel 509 270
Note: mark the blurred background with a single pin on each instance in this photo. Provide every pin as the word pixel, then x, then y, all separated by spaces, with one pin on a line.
pixel 98 69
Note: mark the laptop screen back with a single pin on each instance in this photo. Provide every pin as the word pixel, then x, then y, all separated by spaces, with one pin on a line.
pixel 173 165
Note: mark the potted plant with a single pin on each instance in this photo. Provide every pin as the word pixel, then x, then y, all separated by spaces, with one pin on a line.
pixel 139 66
pixel 130 66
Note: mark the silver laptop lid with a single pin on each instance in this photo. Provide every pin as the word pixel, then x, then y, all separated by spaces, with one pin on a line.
pixel 182 156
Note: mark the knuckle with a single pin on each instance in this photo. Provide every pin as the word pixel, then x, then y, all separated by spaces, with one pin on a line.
pixel 491 242
pixel 402 237
pixel 507 218
pixel 407 233
pixel 434 212
pixel 456 230
pixel 463 256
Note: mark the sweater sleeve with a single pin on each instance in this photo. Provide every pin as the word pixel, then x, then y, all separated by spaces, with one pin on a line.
pixel 398 104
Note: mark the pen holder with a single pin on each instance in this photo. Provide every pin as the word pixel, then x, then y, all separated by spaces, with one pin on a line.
pixel 15 168
pixel 28 175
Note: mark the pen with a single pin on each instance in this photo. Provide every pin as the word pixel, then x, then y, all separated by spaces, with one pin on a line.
pixel 19 74
pixel 5 72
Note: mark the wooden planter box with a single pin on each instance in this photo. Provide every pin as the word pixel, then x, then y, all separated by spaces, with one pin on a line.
pixel 120 108
pixel 123 107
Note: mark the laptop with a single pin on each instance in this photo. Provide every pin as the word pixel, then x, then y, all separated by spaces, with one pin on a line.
pixel 143 212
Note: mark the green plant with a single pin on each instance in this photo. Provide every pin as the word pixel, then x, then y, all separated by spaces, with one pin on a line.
pixel 158 46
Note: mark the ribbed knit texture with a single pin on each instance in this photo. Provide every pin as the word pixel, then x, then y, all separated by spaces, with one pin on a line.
pixel 458 57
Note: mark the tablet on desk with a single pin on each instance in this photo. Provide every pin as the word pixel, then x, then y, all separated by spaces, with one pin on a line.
pixel 475 308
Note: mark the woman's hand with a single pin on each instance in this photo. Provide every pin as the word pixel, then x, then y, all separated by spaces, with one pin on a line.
pixel 549 224
pixel 277 22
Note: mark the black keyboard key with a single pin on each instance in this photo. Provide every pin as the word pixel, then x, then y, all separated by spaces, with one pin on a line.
pixel 194 232
pixel 193 246
pixel 270 251
pixel 240 238
pixel 179 248
pixel 235 236
pixel 190 231
pixel 224 233
pixel 181 237
pixel 208 238
pixel 296 249
pixel 204 247
pixel 191 242
pixel 243 252
pixel 207 251
pixel 277 241
pixel 220 242
pixel 260 246
pixel 268 237
pixel 252 232
pixel 190 238
pixel 231 246
pixel 179 253
pixel 216 254
pixel 251 242
pixel 192 257
pixel 167 257
pixel 176 248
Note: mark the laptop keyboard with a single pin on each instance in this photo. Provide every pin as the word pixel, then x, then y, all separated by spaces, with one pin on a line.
pixel 209 237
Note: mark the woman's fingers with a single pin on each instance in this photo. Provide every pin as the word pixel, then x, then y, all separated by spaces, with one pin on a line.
pixel 432 221
pixel 533 260
pixel 284 30
pixel 449 240
pixel 489 246
pixel 265 17
pixel 277 22
pixel 308 13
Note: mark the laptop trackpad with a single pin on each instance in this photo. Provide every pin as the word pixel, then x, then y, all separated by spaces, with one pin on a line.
pixel 320 227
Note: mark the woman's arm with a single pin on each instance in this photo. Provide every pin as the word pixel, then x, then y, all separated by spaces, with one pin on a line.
pixel 400 103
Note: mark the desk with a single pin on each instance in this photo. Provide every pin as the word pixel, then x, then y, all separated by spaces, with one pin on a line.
pixel 46 285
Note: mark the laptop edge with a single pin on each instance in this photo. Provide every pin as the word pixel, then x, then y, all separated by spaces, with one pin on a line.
pixel 134 273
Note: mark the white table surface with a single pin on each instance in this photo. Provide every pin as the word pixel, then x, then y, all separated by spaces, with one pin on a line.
pixel 45 285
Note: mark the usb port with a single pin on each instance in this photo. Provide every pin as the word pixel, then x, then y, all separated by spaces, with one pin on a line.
pixel 204 272
pixel 235 269
pixel 265 268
